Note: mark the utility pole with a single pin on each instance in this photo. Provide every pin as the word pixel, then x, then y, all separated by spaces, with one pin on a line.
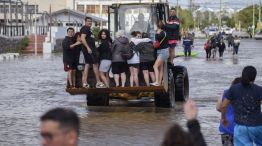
pixel 253 26
pixel 35 31
pixel 260 11
pixel 220 15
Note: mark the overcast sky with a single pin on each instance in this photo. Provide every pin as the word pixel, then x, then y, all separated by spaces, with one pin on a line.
pixel 214 4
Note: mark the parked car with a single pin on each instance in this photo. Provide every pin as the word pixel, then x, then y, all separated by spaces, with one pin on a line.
pixel 212 31
pixel 258 36
pixel 241 34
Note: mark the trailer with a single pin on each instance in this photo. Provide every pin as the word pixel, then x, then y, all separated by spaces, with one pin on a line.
pixel 138 17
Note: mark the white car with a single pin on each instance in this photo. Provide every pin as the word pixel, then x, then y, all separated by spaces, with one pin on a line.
pixel 241 34
pixel 228 31
pixel 258 36
pixel 212 31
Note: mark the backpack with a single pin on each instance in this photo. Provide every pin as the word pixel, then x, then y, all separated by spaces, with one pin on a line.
pixel 206 46
pixel 127 51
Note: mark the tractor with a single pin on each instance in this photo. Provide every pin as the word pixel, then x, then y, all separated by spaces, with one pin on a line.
pixel 141 17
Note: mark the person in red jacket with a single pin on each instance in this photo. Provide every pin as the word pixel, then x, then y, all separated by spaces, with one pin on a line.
pixel 173 33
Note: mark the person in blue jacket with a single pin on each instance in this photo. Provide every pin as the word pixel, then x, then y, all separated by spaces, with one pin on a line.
pixel 227 132
pixel 187 44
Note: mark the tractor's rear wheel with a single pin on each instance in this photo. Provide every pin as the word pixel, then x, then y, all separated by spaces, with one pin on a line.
pixel 181 83
pixel 167 99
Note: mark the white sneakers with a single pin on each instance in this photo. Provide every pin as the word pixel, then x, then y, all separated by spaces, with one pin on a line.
pixel 100 85
pixel 85 85
pixel 155 84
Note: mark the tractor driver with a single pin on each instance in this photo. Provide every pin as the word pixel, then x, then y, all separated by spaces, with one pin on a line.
pixel 141 25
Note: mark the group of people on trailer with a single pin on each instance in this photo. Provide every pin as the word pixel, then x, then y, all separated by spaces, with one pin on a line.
pixel 216 43
pixel 121 55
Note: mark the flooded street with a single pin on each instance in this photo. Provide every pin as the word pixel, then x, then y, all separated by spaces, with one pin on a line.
pixel 31 85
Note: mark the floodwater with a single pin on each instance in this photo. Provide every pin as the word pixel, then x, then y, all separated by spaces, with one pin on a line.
pixel 31 85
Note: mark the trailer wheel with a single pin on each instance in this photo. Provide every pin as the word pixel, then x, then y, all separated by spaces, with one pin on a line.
pixel 181 83
pixel 97 99
pixel 167 99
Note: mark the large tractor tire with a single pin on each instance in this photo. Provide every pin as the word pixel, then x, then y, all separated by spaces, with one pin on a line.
pixel 167 99
pixel 181 83
pixel 97 99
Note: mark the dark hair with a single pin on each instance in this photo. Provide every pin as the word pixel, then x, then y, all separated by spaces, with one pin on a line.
pixel 236 81
pixel 107 34
pixel 138 32
pixel 160 25
pixel 173 9
pixel 76 35
pixel 133 33
pixel 70 28
pixel 176 136
pixel 65 117
pixel 144 35
pixel 249 74
pixel 88 18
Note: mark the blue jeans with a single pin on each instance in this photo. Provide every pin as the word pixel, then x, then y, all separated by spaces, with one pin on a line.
pixel 247 135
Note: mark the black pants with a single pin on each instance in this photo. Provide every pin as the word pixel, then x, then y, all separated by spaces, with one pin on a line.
pixel 208 53
pixel 235 51
pixel 187 51
pixel 221 52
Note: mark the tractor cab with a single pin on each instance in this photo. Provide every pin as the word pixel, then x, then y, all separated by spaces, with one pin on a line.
pixel 141 17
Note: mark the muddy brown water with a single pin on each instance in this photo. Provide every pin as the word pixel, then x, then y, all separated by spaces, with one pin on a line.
pixel 30 85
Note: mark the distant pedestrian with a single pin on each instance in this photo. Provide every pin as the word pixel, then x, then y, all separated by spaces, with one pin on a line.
pixel 227 132
pixel 236 45
pixel 208 47
pixel 214 42
pixel 59 127
pixel 221 47
pixel 246 99
pixel 187 44
pixel 230 41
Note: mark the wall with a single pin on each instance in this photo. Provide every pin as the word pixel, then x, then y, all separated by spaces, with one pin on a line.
pixel 9 44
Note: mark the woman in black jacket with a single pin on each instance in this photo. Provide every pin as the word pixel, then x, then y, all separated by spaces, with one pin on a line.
pixel 221 47
pixel 162 54
pixel 105 55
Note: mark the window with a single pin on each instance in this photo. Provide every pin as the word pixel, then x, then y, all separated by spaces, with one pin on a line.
pixel 80 8
pixel 104 9
pixel 90 9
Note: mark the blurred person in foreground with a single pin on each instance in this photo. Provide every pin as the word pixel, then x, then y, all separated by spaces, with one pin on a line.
pixel 246 99
pixel 176 136
pixel 227 132
pixel 59 127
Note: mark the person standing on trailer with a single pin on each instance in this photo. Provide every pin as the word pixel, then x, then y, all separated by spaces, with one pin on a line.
pixel 90 54
pixel 69 56
pixel 105 55
pixel 173 33
pixel 162 54
pixel 147 59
